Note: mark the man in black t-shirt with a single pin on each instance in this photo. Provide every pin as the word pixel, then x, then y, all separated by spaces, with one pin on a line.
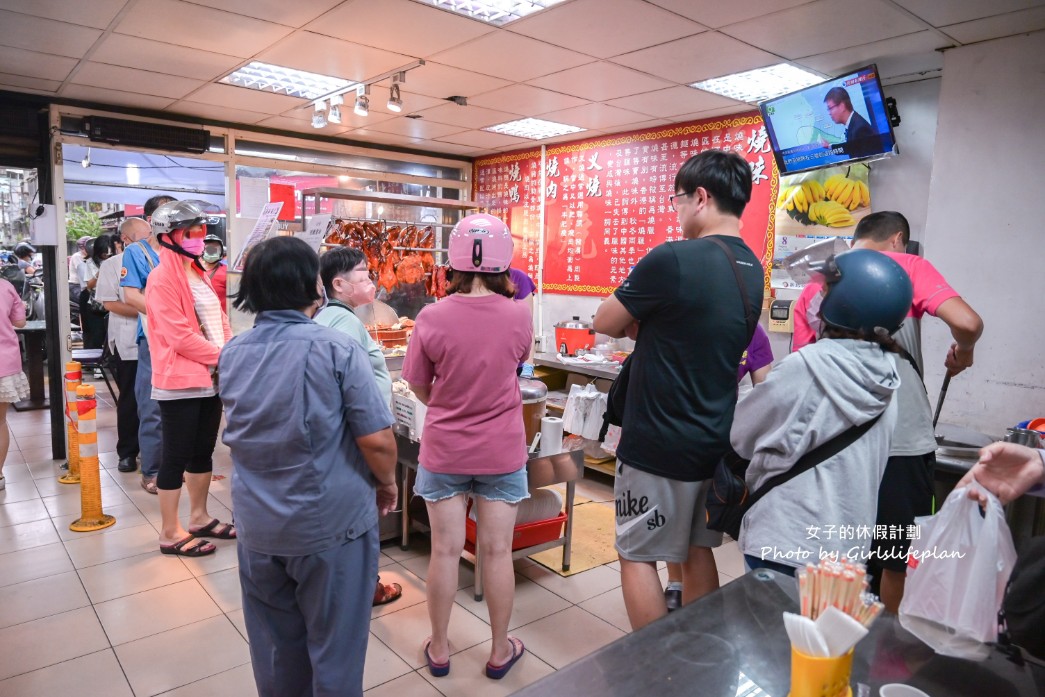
pixel 682 390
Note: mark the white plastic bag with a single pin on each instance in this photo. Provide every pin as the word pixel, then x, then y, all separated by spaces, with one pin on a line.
pixel 956 576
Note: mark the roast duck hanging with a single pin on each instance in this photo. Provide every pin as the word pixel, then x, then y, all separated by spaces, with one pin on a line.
pixel 386 259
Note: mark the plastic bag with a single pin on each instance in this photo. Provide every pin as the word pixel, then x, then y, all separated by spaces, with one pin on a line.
pixel 956 577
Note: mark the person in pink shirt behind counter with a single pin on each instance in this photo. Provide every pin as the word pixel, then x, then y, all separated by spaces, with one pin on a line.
pixel 907 488
pixel 13 384
pixel 462 363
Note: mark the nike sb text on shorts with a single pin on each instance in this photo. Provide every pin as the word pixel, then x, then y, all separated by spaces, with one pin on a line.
pixel 659 519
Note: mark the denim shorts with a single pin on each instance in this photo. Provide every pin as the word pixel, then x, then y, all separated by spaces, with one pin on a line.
pixel 434 486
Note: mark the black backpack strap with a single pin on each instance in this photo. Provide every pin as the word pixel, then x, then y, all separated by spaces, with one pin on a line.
pixel 750 317
pixel 824 451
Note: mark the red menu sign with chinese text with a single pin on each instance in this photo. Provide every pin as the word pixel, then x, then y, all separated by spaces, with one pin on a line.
pixel 606 198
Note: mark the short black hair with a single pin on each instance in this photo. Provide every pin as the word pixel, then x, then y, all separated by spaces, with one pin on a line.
pixel 155 202
pixel 726 176
pixel 881 226
pixel 280 274
pixel 103 244
pixel 839 95
pixel 337 261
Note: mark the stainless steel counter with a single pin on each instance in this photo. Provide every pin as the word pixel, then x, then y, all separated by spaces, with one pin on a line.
pixel 550 360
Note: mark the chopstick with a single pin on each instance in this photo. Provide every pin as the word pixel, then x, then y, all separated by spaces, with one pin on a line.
pixel 839 584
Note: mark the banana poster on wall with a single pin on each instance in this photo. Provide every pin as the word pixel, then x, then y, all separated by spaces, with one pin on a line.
pixel 817 205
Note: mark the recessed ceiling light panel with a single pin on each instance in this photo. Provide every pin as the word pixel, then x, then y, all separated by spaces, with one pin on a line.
pixel 534 129
pixel 279 80
pixel 496 12
pixel 758 85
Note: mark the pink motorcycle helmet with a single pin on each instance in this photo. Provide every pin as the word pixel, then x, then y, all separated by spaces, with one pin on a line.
pixel 481 243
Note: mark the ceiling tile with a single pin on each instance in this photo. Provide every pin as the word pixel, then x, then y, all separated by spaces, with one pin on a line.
pixel 243 98
pixel 674 101
pixel 322 54
pixel 414 128
pixel 132 52
pixel 398 25
pixel 32 84
pixel 131 80
pixel 486 139
pixel 526 100
pixel 595 116
pixel 600 81
pixel 605 28
pixel 200 27
pixel 412 103
pixel 712 113
pixel 453 148
pixel 699 57
pixel 999 26
pixel 955 11
pixel 641 125
pixel 292 14
pixel 442 81
pixel 837 62
pixel 45 35
pixel 510 56
pixel 96 13
pixel 369 135
pixel 715 13
pixel 31 64
pixel 467 116
pixel 102 95
pixel 824 25
pixel 216 113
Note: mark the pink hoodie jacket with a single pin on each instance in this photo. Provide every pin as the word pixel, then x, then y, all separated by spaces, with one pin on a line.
pixel 181 355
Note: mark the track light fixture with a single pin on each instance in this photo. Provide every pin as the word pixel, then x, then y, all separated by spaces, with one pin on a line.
pixel 319 116
pixel 362 88
pixel 362 107
pixel 335 109
pixel 395 99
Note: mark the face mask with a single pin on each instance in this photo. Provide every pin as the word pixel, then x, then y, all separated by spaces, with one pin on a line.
pixel 361 293
pixel 193 246
pixel 210 258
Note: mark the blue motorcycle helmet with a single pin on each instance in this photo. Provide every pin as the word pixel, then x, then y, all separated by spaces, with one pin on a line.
pixel 866 292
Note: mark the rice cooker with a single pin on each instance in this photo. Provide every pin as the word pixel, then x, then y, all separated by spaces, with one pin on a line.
pixel 534 395
pixel 573 335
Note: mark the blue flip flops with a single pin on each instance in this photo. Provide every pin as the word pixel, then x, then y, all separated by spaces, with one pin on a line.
pixel 497 672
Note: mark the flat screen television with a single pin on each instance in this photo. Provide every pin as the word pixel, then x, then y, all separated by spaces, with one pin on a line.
pixel 833 123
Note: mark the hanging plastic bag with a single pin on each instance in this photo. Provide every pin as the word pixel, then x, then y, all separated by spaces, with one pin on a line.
pixel 956 577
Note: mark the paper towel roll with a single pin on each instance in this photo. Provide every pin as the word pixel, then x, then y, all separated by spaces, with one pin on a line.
pixel 551 436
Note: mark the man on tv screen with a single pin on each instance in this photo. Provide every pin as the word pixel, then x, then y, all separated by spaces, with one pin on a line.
pixel 860 138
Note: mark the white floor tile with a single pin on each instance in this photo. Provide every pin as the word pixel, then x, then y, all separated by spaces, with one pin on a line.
pixel 50 640
pixel 95 675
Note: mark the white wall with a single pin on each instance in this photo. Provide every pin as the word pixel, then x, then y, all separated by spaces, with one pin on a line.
pixel 984 227
pixel 902 183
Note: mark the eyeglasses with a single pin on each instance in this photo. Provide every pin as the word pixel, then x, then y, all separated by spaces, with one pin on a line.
pixel 681 197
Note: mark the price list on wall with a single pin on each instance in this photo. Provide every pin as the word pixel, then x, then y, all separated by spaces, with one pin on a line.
pixel 606 199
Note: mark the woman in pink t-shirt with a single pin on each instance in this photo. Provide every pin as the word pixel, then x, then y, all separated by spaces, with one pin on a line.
pixel 462 362
pixel 13 385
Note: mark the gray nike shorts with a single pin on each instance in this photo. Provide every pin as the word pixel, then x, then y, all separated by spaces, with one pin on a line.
pixel 659 519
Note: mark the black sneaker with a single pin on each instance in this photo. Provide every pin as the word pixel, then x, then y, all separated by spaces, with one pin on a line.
pixel 127 464
pixel 673 597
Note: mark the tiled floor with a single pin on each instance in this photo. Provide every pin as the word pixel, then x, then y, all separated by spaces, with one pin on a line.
pixel 103 613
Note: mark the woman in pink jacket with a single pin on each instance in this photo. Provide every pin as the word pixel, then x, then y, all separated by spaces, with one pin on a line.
pixel 186 331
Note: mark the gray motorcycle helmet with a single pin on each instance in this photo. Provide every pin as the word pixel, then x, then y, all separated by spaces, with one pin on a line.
pixel 178 215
